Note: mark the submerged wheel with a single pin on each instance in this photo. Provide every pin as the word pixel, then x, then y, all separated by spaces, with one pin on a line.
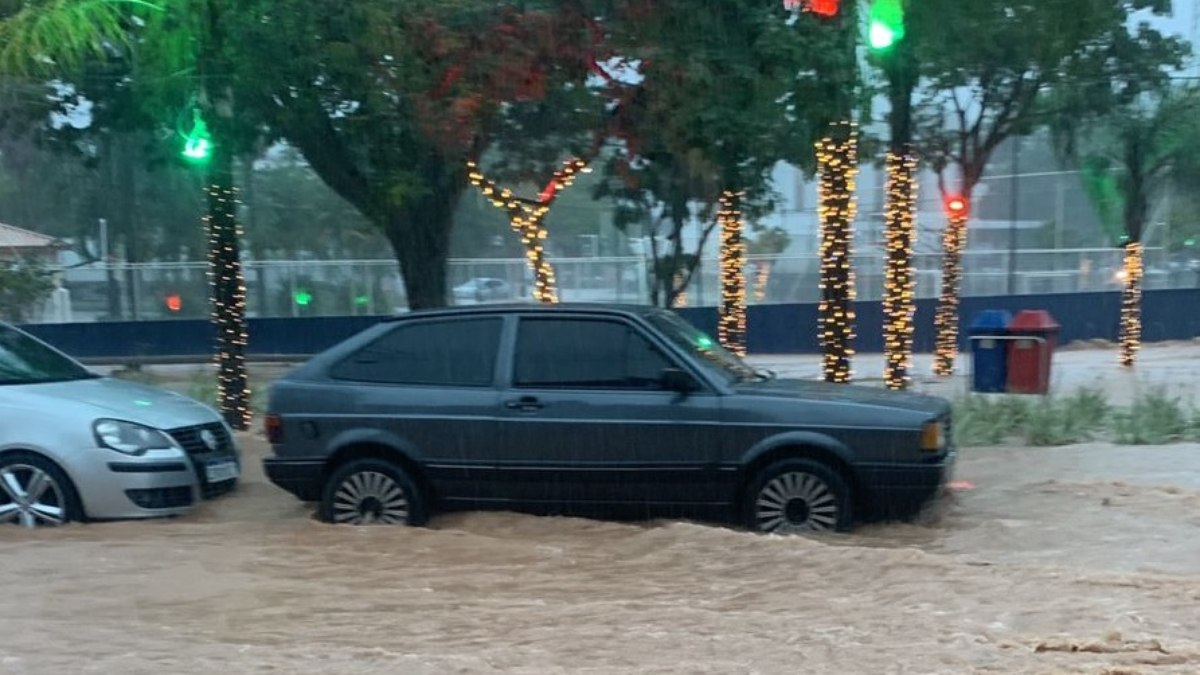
pixel 34 492
pixel 798 496
pixel 372 492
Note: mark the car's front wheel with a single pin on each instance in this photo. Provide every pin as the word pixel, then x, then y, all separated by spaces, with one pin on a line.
pixel 797 496
pixel 372 492
pixel 34 492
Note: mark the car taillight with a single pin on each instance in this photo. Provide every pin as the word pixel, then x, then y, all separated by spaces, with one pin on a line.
pixel 273 426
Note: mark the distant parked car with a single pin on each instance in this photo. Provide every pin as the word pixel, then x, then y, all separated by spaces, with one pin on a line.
pixel 76 446
pixel 591 409
pixel 483 290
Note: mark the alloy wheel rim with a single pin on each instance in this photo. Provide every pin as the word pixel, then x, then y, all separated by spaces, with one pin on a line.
pixel 796 502
pixel 30 497
pixel 369 498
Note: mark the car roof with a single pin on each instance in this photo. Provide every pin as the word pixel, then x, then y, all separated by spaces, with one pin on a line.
pixel 529 308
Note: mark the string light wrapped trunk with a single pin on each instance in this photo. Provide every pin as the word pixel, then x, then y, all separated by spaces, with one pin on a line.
pixel 228 291
pixel 945 321
pixel 527 218
pixel 1131 303
pixel 837 166
pixel 731 325
pixel 899 284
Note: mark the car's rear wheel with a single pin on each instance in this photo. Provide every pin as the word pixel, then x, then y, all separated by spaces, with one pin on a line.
pixel 372 492
pixel 797 496
pixel 35 492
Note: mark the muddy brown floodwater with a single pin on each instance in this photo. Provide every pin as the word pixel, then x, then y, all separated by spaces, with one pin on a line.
pixel 1069 560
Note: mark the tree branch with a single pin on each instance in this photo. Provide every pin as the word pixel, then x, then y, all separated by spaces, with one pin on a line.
pixel 323 149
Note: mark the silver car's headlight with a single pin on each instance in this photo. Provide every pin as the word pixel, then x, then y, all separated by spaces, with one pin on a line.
pixel 128 437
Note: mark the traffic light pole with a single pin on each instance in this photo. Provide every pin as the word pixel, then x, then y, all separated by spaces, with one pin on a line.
pixel 899 292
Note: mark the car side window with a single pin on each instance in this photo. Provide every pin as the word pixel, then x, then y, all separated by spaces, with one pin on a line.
pixel 585 354
pixel 456 353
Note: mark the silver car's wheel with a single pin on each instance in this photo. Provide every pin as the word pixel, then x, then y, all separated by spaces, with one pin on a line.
pixel 31 497
pixel 799 496
pixel 371 492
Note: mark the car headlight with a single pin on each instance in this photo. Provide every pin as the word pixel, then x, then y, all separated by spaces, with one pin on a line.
pixel 129 438
pixel 933 437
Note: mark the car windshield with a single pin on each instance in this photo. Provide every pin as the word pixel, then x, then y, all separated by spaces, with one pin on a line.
pixel 695 341
pixel 24 360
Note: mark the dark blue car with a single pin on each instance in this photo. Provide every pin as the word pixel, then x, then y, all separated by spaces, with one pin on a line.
pixel 591 410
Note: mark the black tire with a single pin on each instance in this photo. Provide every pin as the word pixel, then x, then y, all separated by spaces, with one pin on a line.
pixel 58 494
pixel 364 492
pixel 798 496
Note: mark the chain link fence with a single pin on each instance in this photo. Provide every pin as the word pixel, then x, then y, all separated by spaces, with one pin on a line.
pixel 156 291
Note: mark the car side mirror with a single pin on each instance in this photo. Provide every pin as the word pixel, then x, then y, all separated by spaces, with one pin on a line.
pixel 674 379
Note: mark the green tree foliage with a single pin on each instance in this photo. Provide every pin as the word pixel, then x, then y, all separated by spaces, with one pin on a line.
pixel 714 108
pixel 994 69
pixel 1131 156
pixel 24 284
pixel 50 36
pixel 388 101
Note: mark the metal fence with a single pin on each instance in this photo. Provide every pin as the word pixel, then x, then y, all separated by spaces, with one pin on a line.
pixel 152 291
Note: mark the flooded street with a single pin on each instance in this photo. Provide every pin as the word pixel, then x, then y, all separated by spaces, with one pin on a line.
pixel 1083 559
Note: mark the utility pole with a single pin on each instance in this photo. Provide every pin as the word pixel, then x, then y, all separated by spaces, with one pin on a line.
pixel 1012 222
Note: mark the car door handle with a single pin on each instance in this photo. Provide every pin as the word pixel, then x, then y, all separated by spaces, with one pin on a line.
pixel 525 404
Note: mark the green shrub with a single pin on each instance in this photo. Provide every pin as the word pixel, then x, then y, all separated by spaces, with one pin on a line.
pixel 981 420
pixel 1155 418
pixel 1088 409
pixel 1048 424
pixel 984 420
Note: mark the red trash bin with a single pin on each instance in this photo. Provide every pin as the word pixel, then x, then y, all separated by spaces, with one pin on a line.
pixel 1035 335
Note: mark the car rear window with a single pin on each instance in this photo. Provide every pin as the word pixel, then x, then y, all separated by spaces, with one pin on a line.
pixel 455 353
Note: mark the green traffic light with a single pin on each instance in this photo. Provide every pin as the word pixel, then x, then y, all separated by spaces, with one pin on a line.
pixel 196 148
pixel 880 36
pixel 198 145
pixel 302 298
pixel 886 26
pixel 362 300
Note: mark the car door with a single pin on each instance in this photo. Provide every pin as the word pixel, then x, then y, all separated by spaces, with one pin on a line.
pixel 585 418
pixel 429 385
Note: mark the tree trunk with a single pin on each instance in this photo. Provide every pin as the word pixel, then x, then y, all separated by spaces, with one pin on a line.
pixel 946 320
pixel 899 301
pixel 228 291
pixel 731 325
pixel 533 238
pixel 420 236
pixel 1131 304
pixel 900 233
pixel 837 164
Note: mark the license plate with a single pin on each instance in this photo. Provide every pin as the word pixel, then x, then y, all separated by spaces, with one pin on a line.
pixel 218 472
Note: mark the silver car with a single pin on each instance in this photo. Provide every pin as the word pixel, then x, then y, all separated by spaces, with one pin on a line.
pixel 76 446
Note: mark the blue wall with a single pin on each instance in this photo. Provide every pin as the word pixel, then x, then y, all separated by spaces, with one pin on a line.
pixel 773 329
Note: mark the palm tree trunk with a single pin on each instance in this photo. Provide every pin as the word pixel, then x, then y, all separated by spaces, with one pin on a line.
pixel 946 320
pixel 837 165
pixel 1131 304
pixel 731 325
pixel 899 284
pixel 228 291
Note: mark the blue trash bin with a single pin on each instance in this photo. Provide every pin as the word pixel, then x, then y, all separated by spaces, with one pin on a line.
pixel 989 356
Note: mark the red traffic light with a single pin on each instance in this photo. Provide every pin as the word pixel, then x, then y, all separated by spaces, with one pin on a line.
pixel 957 205
pixel 173 302
pixel 823 7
